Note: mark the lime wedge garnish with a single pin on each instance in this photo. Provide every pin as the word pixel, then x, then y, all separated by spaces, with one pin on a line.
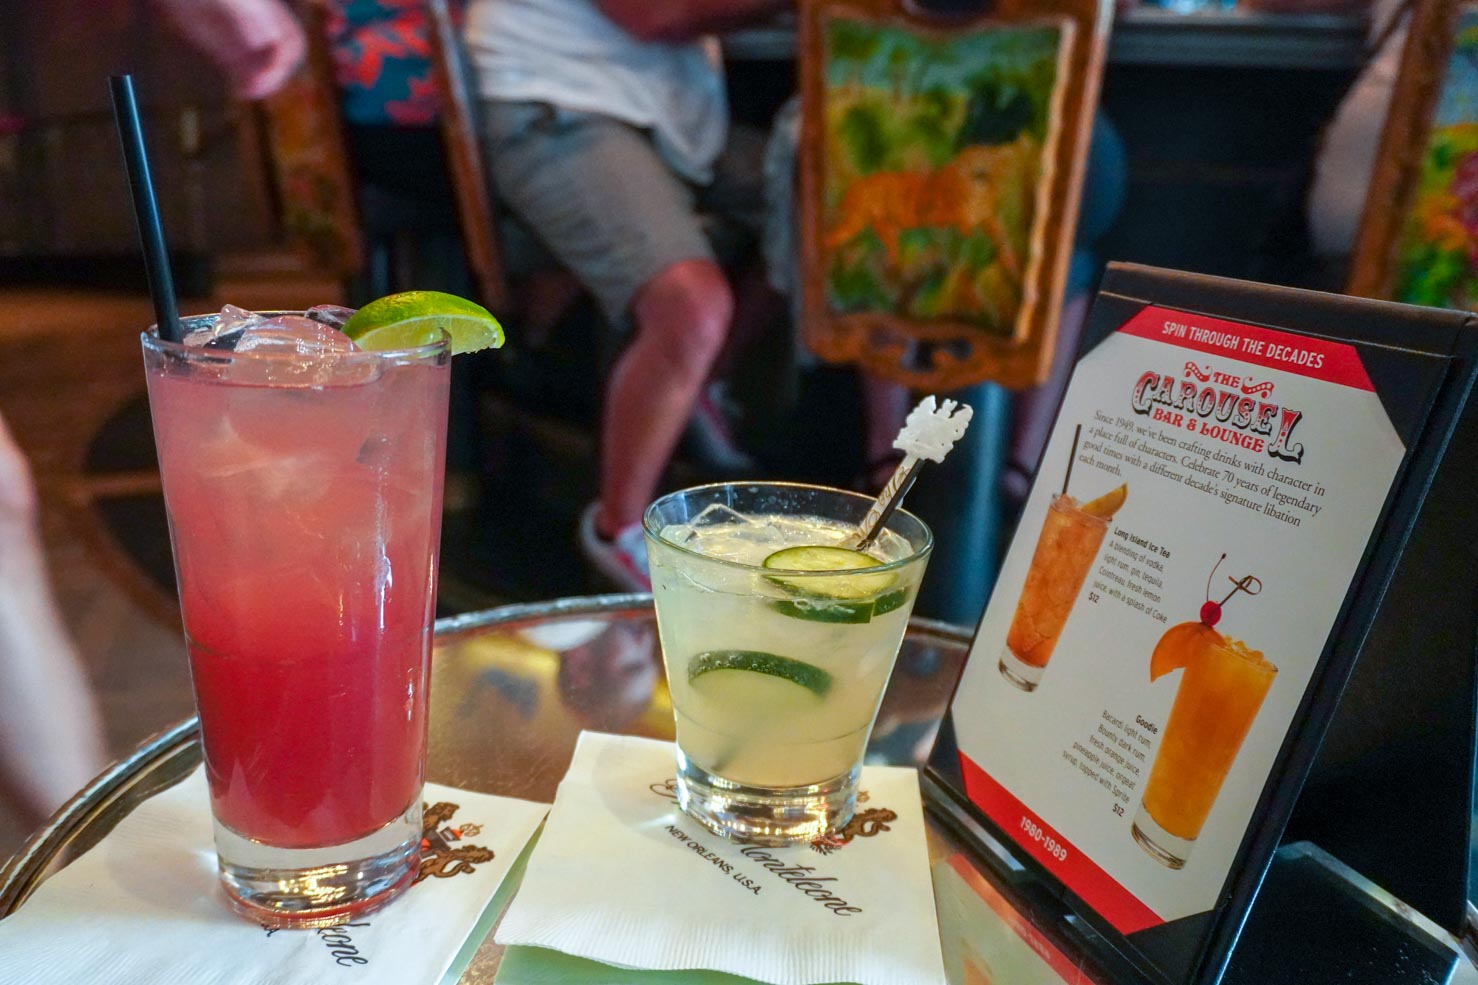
pixel 808 676
pixel 413 318
pixel 856 584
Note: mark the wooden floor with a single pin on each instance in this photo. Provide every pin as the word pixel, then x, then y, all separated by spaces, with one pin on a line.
pixel 68 361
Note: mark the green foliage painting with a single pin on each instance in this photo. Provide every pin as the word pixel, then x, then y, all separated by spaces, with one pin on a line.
pixel 1437 259
pixel 932 158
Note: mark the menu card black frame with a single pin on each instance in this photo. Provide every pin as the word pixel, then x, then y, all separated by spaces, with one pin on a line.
pixel 1425 383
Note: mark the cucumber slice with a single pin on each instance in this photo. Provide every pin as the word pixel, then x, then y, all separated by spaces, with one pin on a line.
pixel 857 584
pixel 888 601
pixel 808 676
pixel 837 612
pixel 820 610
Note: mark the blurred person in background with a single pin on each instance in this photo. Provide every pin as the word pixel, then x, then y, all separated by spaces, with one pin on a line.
pixel 1348 147
pixel 389 96
pixel 255 44
pixel 608 133
pixel 382 65
pixel 50 736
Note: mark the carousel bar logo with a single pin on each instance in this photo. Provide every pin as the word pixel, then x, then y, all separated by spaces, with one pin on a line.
pixel 1225 407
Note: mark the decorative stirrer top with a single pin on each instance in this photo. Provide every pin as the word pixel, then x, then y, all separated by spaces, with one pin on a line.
pixel 930 431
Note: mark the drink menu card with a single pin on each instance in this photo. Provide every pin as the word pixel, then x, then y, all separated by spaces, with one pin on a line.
pixel 1155 626
pixel 1232 481
pixel 1233 476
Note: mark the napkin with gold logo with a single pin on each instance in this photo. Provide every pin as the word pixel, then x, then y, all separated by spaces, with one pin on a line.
pixel 144 906
pixel 621 876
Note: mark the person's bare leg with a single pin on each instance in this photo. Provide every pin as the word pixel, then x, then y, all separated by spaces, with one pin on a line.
pixel 50 737
pixel 682 317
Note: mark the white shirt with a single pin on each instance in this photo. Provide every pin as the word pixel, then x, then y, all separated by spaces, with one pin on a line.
pixel 569 54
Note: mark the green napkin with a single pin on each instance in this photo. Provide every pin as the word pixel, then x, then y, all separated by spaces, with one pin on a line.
pixel 523 965
pixel 491 913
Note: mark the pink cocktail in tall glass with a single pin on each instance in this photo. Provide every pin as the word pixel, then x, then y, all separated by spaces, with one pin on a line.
pixel 304 501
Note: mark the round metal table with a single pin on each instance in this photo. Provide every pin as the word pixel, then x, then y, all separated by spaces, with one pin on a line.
pixel 511 690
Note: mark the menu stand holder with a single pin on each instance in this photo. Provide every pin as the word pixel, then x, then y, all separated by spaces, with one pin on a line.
pixel 1371 791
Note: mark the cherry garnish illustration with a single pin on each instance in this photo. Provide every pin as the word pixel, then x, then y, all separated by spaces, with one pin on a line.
pixel 1211 611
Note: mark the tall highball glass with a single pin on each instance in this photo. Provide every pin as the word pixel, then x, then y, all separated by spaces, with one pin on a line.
pixel 304 503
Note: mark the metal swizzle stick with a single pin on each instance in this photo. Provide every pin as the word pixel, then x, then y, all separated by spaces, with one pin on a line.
pixel 930 431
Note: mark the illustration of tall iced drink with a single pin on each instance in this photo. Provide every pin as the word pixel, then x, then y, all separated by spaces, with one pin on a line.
pixel 302 479
pixel 1223 687
pixel 1069 541
pixel 778 640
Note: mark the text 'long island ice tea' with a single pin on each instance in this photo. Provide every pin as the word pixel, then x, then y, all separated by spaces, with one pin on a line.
pixel 1070 538
pixel 303 480
pixel 778 642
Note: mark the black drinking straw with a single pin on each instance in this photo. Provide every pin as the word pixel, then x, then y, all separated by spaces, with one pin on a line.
pixel 1071 457
pixel 145 208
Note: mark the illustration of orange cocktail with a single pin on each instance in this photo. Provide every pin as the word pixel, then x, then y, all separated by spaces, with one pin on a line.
pixel 1220 693
pixel 1070 538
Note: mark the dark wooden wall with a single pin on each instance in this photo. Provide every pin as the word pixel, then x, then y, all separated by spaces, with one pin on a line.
pixel 62 190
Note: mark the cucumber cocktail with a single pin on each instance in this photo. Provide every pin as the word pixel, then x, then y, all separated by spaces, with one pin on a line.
pixel 778 639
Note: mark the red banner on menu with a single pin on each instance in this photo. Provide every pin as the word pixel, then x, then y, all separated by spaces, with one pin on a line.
pixel 1063 859
pixel 1319 359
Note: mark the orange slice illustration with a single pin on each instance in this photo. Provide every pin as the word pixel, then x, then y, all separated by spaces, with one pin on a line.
pixel 1106 505
pixel 1179 646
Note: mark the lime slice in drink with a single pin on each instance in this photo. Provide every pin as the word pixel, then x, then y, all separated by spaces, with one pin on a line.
pixel 413 318
pixel 714 666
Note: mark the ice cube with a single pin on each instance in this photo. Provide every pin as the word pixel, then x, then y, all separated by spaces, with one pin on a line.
pixel 723 532
pixel 333 315
pixel 890 546
pixel 231 321
pixel 298 351
pixel 295 335
pixel 719 513
pixel 681 534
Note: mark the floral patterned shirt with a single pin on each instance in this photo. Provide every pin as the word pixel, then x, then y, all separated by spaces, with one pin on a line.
pixel 382 60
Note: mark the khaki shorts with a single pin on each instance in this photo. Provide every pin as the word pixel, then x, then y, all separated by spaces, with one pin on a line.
pixel 599 196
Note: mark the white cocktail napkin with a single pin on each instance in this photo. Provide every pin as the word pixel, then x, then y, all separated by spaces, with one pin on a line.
pixel 144 907
pixel 623 877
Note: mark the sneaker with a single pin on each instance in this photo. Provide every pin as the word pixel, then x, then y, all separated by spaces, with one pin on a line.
pixel 622 559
